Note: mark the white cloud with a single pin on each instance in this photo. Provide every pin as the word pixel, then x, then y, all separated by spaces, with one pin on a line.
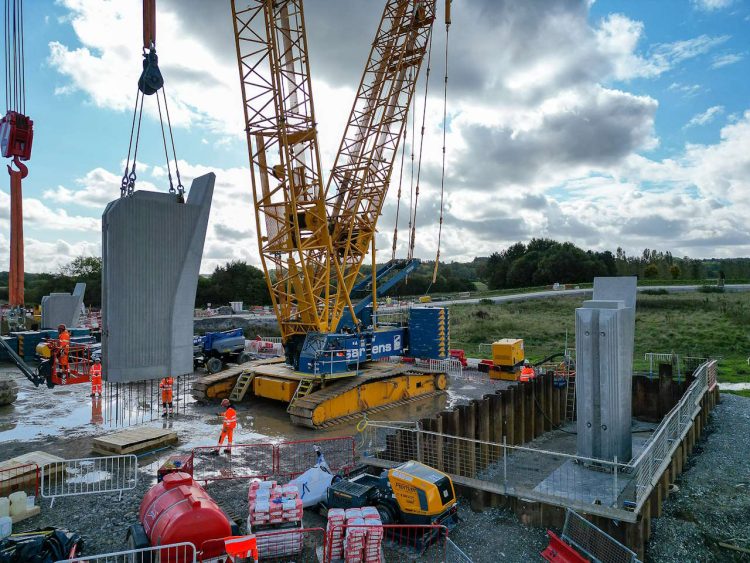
pixel 711 5
pixel 203 91
pixel 726 60
pixel 705 117
pixel 687 90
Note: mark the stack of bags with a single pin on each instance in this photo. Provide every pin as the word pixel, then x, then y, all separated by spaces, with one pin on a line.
pixel 269 503
pixel 335 530
pixel 363 538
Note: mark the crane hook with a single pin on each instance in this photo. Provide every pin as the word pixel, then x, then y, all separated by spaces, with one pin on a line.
pixel 22 168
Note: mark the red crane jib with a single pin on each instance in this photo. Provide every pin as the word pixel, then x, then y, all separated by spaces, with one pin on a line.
pixel 16 135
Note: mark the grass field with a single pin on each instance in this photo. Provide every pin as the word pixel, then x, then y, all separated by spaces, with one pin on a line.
pixel 690 324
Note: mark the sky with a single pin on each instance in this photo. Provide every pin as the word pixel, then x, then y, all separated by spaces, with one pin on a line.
pixel 607 123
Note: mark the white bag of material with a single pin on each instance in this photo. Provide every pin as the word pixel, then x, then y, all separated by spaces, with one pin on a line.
pixel 6 526
pixel 4 506
pixel 313 483
pixel 17 503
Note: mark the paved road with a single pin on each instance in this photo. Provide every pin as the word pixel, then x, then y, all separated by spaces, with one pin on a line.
pixel 563 292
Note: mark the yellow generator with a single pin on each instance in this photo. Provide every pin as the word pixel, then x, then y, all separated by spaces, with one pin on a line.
pixel 507 358
pixel 412 493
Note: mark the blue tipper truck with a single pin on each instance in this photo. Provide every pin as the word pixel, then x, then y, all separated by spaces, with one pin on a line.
pixel 214 350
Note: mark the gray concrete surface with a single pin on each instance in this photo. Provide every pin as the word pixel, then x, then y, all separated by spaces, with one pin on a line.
pixel 151 250
pixel 63 308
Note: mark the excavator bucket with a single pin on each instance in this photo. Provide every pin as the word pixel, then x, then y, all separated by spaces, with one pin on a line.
pixel 152 246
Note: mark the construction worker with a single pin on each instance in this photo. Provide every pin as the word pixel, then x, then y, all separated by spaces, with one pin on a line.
pixel 527 372
pixel 166 395
pixel 63 337
pixel 95 373
pixel 227 428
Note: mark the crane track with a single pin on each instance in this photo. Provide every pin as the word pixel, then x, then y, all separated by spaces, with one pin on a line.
pixel 302 410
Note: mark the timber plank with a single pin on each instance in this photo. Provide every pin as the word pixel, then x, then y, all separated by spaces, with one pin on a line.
pixel 134 440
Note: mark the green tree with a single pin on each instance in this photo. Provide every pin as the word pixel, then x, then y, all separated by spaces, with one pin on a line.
pixel 651 271
pixel 674 271
pixel 235 281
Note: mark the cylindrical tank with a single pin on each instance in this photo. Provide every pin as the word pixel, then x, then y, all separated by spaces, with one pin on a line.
pixel 179 510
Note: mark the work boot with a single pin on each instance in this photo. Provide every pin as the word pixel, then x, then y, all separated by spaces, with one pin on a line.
pixel 227 450
pixel 92 394
pixel 215 452
pixel 100 395
pixel 164 415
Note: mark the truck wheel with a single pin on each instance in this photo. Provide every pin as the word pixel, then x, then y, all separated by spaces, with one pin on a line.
pixel 386 514
pixel 136 538
pixel 244 357
pixel 214 365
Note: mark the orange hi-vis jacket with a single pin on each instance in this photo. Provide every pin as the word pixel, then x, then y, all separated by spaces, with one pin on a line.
pixel 166 389
pixel 96 374
pixel 64 339
pixel 230 418
pixel 527 373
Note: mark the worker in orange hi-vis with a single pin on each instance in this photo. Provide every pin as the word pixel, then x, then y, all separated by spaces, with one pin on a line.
pixel 63 336
pixel 166 395
pixel 227 428
pixel 95 373
pixel 527 372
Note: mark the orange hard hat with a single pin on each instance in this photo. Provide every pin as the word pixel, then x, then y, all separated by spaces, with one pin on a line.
pixel 225 403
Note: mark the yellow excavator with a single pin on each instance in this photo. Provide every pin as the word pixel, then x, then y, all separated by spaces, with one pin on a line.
pixel 313 237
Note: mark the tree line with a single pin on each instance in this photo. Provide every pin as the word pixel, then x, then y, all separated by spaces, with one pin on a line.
pixel 536 263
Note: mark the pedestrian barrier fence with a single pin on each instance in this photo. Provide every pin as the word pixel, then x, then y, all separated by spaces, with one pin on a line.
pixel 20 478
pixel 173 553
pixel 454 554
pixel 298 545
pixel 398 543
pixel 283 460
pixel 607 488
pixel 594 542
pixel 92 475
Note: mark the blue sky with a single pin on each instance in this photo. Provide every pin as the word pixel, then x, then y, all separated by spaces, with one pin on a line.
pixel 617 123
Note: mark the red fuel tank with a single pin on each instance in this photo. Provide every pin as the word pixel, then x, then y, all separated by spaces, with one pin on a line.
pixel 179 510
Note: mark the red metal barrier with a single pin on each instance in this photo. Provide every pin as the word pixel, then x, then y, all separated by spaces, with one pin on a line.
pixel 282 461
pixel 295 457
pixel 400 543
pixel 301 545
pixel 20 478
pixel 246 461
pixel 558 551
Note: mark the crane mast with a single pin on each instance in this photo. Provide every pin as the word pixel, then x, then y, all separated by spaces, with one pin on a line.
pixel 362 171
pixel 288 193
pixel 313 238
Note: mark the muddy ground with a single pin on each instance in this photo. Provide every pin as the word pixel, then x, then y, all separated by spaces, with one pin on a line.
pixel 711 506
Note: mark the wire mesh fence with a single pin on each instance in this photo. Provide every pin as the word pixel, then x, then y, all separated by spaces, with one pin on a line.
pixel 283 460
pixel 93 475
pixel 19 477
pixel 594 542
pixel 394 543
pixel 608 488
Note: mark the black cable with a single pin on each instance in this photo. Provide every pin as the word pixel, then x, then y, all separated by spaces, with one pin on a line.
pixel 164 140
pixel 558 427
pixel 180 187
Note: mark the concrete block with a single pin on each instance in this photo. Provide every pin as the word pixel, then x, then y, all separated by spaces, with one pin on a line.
pixel 604 354
pixel 63 308
pixel 620 288
pixel 151 251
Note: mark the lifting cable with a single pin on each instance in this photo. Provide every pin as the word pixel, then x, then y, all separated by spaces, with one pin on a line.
pixel 127 185
pixel 398 196
pixel 413 222
pixel 15 76
pixel 442 173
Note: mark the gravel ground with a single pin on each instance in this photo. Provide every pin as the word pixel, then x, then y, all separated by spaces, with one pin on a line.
pixel 713 501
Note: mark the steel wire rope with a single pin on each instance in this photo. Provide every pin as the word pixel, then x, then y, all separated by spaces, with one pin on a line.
pixel 164 141
pixel 412 238
pixel 180 187
pixel 398 196
pixel 442 173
